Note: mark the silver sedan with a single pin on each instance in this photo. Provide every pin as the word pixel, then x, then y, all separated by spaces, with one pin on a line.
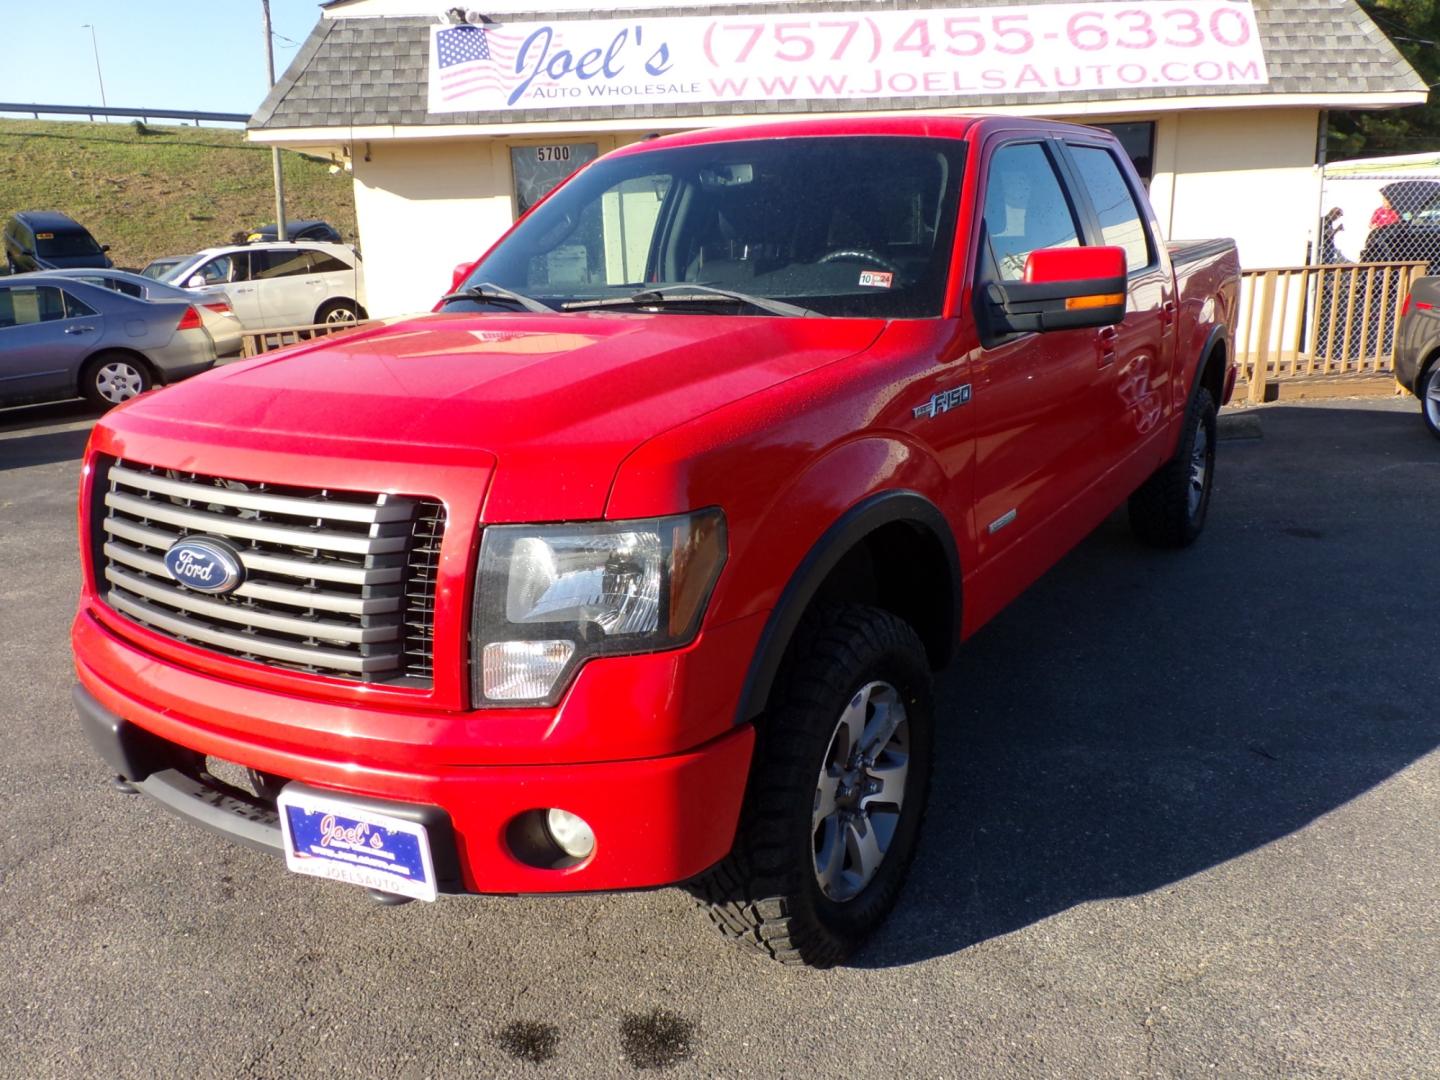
pixel 61 338
pixel 1417 349
pixel 215 311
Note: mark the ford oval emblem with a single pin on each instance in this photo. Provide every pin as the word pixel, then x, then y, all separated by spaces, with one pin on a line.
pixel 205 564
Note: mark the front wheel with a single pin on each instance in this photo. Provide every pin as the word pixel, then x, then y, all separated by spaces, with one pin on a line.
pixel 112 378
pixel 1427 389
pixel 1169 508
pixel 837 793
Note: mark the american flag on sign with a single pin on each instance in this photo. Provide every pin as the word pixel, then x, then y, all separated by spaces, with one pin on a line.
pixel 475 61
pixel 465 61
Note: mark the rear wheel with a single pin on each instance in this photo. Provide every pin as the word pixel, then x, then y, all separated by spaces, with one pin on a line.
pixel 112 378
pixel 339 311
pixel 836 796
pixel 1428 391
pixel 1169 508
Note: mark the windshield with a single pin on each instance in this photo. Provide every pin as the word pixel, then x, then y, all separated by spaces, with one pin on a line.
pixel 160 267
pixel 853 226
pixel 60 245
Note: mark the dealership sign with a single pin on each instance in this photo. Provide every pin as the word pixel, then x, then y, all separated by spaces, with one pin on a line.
pixel 937 53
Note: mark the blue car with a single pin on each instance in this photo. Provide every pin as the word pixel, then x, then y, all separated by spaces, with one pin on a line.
pixel 61 338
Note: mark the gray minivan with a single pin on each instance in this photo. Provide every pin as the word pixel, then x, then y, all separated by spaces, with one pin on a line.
pixel 49 240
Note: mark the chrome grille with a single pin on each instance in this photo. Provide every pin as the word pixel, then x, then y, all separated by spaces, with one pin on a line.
pixel 336 583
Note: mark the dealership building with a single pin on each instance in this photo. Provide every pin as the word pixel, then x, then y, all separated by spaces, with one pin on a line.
pixel 454 120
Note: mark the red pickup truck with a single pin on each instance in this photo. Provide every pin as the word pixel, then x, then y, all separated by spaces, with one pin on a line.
pixel 631 565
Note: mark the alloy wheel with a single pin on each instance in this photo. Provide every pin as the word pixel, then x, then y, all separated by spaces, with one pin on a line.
pixel 1199 470
pixel 860 792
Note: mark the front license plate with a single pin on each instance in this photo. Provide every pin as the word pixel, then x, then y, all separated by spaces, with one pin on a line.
pixel 331 837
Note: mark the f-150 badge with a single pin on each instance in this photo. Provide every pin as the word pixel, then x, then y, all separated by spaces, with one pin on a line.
pixel 943 402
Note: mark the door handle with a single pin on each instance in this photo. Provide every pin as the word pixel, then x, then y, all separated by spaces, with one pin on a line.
pixel 314 281
pixel 79 329
pixel 1105 346
pixel 1167 312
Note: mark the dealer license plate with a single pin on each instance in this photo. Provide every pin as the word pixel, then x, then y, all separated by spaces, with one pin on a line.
pixel 333 838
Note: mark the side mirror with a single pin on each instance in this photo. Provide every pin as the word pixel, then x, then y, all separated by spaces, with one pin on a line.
pixel 1063 289
pixel 104 247
pixel 197 281
pixel 460 273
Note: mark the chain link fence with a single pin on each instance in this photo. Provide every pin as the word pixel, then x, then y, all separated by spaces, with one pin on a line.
pixel 1377 223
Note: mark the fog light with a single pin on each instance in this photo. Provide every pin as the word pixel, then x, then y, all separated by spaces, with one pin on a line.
pixel 571 832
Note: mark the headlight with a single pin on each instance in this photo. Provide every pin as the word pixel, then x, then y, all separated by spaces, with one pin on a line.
pixel 552 596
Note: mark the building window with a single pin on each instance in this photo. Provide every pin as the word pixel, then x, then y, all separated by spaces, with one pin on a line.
pixel 1138 140
pixel 539 168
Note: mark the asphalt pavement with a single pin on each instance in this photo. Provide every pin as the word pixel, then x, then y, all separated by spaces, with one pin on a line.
pixel 1184 824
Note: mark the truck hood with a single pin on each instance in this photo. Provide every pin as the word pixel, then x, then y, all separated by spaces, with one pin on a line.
pixel 560 399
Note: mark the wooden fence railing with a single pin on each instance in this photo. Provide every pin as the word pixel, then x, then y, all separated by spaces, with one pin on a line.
pixel 1333 320
pixel 255 342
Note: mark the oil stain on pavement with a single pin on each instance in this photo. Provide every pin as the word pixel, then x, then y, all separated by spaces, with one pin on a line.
pixel 657 1039
pixel 528 1040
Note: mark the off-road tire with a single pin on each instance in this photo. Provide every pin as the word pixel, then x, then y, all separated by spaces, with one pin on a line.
pixel 1162 511
pixel 100 386
pixel 766 892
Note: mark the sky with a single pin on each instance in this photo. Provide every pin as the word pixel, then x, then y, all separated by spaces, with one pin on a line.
pixel 165 54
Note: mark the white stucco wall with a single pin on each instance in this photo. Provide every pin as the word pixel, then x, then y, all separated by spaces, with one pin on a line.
pixel 1249 174
pixel 423 207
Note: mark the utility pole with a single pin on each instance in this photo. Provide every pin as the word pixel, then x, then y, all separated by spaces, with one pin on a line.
pixel 98 78
pixel 281 233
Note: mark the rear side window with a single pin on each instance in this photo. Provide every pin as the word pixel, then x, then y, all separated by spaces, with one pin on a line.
pixel 27 305
pixel 1120 221
pixel 322 263
pixel 266 265
pixel 76 308
pixel 1025 208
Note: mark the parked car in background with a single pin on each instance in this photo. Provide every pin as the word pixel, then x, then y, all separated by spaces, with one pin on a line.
pixel 1417 349
pixel 322 231
pixel 1405 227
pixel 277 285
pixel 220 320
pixel 61 339
pixel 158 268
pixel 49 240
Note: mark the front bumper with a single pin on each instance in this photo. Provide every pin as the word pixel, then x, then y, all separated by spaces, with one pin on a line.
pixel 656 822
pixel 658 819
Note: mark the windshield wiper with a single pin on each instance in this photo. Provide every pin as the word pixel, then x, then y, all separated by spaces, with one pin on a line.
pixel 693 294
pixel 488 290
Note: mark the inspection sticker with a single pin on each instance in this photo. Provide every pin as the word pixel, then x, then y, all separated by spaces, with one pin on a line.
pixel 876 279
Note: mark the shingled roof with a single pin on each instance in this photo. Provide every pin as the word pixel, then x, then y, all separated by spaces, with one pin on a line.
pixel 361 72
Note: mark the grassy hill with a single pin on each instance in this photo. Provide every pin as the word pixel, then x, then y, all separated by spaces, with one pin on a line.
pixel 163 190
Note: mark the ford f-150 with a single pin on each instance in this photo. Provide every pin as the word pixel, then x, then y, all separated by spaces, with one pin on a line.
pixel 631 564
